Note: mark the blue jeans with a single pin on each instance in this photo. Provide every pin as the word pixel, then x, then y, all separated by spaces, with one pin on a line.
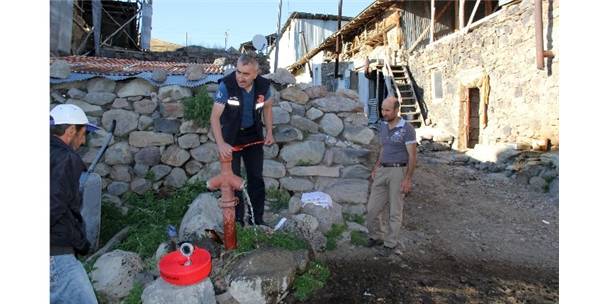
pixel 69 282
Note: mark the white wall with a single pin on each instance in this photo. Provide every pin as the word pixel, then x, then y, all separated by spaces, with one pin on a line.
pixel 291 46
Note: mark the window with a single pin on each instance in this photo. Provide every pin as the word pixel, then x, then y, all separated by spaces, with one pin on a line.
pixel 436 85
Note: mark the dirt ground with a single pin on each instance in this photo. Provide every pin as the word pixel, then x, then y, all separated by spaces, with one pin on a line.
pixel 468 237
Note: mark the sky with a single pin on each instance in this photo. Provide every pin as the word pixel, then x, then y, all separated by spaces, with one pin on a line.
pixel 206 21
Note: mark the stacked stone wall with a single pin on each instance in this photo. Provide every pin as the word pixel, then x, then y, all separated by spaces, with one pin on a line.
pixel 322 139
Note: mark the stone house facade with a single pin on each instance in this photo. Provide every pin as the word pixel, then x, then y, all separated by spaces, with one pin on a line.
pixel 473 71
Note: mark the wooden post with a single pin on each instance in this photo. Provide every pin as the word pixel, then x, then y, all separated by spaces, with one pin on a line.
pixel 455 21
pixel 338 42
pixel 461 14
pixel 278 37
pixel 487 8
pixel 420 38
pixel 473 14
pixel 433 20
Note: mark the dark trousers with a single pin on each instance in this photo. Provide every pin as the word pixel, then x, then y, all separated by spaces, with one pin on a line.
pixel 255 186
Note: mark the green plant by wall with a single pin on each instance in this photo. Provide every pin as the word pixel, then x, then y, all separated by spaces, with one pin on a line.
pixel 148 216
pixel 249 240
pixel 134 296
pixel 358 238
pixel 278 199
pixel 313 279
pixel 198 107
pixel 356 218
pixel 333 234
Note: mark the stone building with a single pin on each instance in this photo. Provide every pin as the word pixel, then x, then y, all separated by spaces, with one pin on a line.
pixel 474 67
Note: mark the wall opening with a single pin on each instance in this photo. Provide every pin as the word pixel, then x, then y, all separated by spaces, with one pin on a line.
pixel 473 117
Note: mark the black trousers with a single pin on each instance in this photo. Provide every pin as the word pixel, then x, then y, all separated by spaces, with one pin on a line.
pixel 255 186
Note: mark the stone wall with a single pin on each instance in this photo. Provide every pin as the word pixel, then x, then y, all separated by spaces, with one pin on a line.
pixel 323 143
pixel 523 103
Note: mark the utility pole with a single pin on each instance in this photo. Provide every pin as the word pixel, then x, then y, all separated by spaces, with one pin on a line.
pixel 185 39
pixel 278 37
pixel 226 35
pixel 338 42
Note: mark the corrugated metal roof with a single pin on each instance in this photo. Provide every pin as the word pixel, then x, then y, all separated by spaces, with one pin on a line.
pixel 170 79
pixel 116 66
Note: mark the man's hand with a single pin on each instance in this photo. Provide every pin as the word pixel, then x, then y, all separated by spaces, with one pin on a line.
pixel 269 138
pixel 225 150
pixel 406 186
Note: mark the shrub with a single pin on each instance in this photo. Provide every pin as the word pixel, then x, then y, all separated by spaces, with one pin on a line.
pixel 198 107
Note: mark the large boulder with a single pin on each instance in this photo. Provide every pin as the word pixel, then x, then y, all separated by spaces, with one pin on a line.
pixel 149 156
pixel 345 190
pixel 331 124
pixel 306 226
pixel 361 135
pixel 348 156
pixel 100 84
pixel 272 168
pixel 304 124
pixel 338 104
pixel 314 171
pixel 175 156
pixel 313 114
pixel 176 179
pixel 118 153
pixel 206 153
pixel 143 139
pixel 60 69
pixel 99 98
pixel 89 109
pixel 281 76
pixel 203 213
pixel 303 153
pixel 296 184
pixel 145 106
pixel 113 274
pixel 136 87
pixel 326 217
pixel 316 91
pixel 265 275
pixel 294 94
pixel 285 134
pixel 279 116
pixel 161 292
pixel 126 121
pixel 173 93
pixel 194 72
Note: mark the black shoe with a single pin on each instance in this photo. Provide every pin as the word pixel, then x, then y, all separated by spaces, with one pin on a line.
pixel 386 251
pixel 373 242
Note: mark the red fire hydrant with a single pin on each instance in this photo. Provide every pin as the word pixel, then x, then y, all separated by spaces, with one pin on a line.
pixel 227 182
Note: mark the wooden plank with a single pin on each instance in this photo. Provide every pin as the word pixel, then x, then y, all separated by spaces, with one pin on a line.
pixel 420 38
pixel 433 20
pixel 461 13
pixel 473 14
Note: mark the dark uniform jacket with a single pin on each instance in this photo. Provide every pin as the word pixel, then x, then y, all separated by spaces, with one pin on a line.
pixel 231 117
pixel 67 230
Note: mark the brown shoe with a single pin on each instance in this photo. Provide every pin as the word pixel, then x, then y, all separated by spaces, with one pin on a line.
pixel 373 243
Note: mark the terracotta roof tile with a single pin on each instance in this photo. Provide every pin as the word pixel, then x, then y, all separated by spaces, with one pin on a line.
pixel 116 66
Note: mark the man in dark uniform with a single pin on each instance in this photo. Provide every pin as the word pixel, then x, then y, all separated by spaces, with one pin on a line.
pixel 242 100
pixel 69 282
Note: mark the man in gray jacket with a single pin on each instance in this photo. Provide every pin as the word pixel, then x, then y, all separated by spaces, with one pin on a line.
pixel 392 177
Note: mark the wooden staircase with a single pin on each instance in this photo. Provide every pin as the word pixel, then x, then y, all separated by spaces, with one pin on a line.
pixel 403 87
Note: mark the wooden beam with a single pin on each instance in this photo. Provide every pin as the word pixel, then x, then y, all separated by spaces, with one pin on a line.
pixel 455 21
pixel 487 7
pixel 426 30
pixel 433 20
pixel 473 14
pixel 461 14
